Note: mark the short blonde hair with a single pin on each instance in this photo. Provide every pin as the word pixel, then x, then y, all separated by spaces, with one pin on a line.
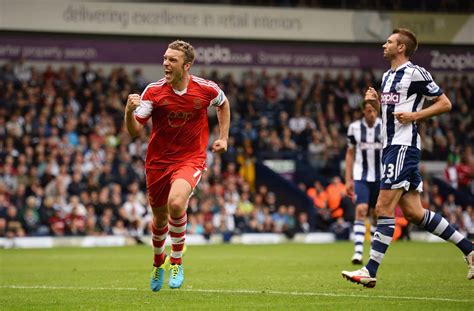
pixel 184 47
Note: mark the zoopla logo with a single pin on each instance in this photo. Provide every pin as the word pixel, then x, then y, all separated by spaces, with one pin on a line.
pixel 388 98
pixel 452 61
pixel 213 54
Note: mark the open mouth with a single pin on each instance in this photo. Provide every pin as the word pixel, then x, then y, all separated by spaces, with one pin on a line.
pixel 168 73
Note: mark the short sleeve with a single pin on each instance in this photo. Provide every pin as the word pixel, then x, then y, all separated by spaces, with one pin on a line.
pixel 217 95
pixel 143 112
pixel 422 83
pixel 351 141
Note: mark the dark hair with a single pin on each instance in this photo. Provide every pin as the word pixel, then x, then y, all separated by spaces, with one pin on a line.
pixel 364 104
pixel 184 47
pixel 408 38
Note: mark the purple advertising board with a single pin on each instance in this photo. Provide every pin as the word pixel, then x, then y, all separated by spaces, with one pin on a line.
pixel 226 53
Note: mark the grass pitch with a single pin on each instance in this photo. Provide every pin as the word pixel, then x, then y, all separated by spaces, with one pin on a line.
pixel 235 277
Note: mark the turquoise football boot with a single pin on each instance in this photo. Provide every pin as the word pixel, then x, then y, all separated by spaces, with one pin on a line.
pixel 158 275
pixel 176 276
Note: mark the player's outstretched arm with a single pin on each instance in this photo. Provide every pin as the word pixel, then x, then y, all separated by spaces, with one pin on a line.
pixel 372 98
pixel 223 116
pixel 133 126
pixel 441 104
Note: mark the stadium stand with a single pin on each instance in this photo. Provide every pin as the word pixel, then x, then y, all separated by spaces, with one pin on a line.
pixel 68 167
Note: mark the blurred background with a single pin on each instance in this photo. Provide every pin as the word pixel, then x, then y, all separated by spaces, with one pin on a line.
pixel 295 73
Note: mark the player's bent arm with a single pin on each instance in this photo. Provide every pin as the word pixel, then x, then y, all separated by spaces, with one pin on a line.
pixel 133 126
pixel 223 116
pixel 441 104
pixel 372 98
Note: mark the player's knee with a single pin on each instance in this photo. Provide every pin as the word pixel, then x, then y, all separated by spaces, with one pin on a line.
pixel 361 211
pixel 176 205
pixel 160 217
pixel 160 220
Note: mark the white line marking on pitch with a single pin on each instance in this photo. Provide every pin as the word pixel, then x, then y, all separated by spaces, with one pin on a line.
pixel 236 291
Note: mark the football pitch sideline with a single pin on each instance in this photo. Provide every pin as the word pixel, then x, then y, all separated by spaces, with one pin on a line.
pixel 419 276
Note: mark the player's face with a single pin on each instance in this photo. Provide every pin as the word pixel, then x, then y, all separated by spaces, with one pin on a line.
pixel 370 114
pixel 391 47
pixel 173 65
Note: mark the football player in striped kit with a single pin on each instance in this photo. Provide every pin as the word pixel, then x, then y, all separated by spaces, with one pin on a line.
pixel 363 170
pixel 404 89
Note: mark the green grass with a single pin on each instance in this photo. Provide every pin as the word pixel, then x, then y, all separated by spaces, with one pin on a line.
pixel 235 277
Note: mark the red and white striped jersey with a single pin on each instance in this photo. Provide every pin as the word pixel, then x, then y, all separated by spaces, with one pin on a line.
pixel 180 130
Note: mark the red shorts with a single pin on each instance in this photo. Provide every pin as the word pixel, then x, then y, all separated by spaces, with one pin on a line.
pixel 159 180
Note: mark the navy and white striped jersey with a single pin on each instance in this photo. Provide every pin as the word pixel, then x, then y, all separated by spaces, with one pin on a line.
pixel 404 89
pixel 367 142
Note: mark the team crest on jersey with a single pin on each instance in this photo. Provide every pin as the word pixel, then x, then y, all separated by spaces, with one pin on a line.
pixel 390 98
pixel 197 103
pixel 398 87
pixel 164 103
pixel 432 87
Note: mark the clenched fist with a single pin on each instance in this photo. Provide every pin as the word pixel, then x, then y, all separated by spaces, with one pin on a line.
pixel 133 102
pixel 372 98
pixel 371 95
pixel 405 117
pixel 219 146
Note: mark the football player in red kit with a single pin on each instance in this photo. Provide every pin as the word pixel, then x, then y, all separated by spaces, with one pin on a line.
pixel 175 159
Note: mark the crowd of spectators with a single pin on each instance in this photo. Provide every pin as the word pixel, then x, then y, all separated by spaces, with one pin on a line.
pixel 69 167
